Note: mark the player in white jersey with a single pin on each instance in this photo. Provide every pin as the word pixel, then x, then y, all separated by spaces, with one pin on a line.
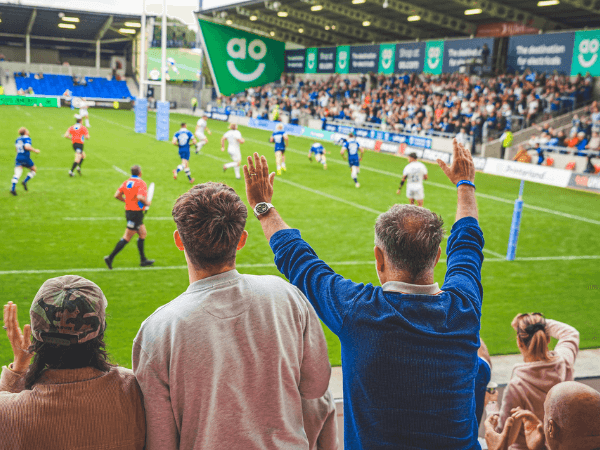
pixel 415 172
pixel 201 127
pixel 83 112
pixel 234 139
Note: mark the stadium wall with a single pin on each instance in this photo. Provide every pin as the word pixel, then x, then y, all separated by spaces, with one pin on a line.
pixel 40 56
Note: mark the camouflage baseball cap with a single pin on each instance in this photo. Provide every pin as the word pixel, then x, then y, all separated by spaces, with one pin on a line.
pixel 68 310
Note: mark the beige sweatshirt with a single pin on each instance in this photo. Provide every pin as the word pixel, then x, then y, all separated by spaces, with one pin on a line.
pixel 530 382
pixel 227 363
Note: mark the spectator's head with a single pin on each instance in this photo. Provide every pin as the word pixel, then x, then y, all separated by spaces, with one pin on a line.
pixel 572 417
pixel 23 131
pixel 407 243
pixel 136 170
pixel 532 336
pixel 210 221
pixel 67 327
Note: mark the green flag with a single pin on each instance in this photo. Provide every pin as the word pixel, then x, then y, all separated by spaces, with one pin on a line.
pixel 311 60
pixel 343 59
pixel 239 60
pixel 387 57
pixel 434 57
pixel 585 53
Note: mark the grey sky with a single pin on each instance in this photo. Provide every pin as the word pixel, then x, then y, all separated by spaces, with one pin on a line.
pixel 181 9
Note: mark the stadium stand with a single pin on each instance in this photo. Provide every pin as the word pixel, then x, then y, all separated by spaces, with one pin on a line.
pixel 94 87
pixel 423 104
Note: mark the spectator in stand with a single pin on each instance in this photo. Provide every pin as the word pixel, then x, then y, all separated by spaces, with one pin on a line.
pixel 571 421
pixel 409 348
pixel 522 155
pixel 541 368
pixel 71 396
pixel 484 376
pixel 320 422
pixel 226 364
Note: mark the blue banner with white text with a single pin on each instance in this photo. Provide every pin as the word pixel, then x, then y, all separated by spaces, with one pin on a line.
pixel 541 53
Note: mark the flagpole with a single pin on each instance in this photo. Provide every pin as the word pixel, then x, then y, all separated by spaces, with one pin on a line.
pixel 163 43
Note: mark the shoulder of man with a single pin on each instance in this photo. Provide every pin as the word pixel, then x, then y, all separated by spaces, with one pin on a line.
pixel 268 284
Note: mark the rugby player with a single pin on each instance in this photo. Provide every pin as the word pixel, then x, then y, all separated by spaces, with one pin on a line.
pixel 182 140
pixel 234 139
pixel 133 193
pixel 280 138
pixel 201 127
pixel 83 112
pixel 23 148
pixel 319 151
pixel 354 158
pixel 415 171
pixel 78 134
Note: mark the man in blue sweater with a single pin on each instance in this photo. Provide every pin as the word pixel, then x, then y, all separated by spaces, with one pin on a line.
pixel 409 348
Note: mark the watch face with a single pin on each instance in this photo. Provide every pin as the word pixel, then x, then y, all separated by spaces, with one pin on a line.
pixel 262 208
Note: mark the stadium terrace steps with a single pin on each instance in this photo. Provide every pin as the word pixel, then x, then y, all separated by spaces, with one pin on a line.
pixel 96 87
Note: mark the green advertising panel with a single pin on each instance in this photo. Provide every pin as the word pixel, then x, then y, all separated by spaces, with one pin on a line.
pixel 19 100
pixel 311 60
pixel 585 53
pixel 387 57
pixel 239 60
pixel 434 56
pixel 342 64
pixel 183 64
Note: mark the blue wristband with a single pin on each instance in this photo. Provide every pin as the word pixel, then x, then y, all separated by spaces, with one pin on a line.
pixel 467 182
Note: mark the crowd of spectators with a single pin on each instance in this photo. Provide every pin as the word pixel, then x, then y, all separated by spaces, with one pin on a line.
pixel 580 138
pixel 423 104
pixel 240 361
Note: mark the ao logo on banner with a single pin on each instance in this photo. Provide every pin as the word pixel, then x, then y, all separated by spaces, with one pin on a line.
pixel 387 56
pixel 343 59
pixel 236 48
pixel 312 60
pixel 434 55
pixel 587 47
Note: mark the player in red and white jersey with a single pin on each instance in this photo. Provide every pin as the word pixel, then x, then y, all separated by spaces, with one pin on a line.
pixel 134 193
pixel 78 134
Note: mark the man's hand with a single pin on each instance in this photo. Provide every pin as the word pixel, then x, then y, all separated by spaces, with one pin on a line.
pixel 462 167
pixel 494 440
pixel 259 183
pixel 19 340
pixel 532 427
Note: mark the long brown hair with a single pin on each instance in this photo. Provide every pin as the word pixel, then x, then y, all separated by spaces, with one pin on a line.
pixel 50 356
pixel 532 333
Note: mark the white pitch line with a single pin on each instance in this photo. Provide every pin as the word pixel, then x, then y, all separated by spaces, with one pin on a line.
pixel 269 265
pixel 497 255
pixel 93 219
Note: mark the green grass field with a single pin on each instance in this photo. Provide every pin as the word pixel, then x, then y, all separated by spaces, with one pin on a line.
pixel 66 225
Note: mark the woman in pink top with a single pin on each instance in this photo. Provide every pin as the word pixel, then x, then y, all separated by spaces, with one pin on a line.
pixel 541 369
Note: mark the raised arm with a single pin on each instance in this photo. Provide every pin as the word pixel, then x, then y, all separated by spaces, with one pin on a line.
pixel 330 294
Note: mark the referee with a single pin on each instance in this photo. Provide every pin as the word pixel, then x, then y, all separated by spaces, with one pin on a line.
pixel 133 193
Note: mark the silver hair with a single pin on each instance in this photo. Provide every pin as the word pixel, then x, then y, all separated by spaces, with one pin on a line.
pixel 410 236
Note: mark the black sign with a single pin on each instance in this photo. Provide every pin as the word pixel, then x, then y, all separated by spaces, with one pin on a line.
pixel 326 59
pixel 294 61
pixel 364 59
pixel 409 57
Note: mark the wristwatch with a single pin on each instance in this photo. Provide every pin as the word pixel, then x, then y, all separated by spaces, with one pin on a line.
pixel 262 208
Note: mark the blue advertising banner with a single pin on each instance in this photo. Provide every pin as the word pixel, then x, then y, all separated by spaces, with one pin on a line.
pixel 414 141
pixel 294 61
pixel 410 57
pixel 217 115
pixel 270 126
pixel 462 51
pixel 326 59
pixel 364 59
pixel 541 53
pixel 141 115
pixel 162 121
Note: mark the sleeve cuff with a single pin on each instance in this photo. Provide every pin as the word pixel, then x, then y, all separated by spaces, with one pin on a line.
pixel 283 236
pixel 12 381
pixel 465 222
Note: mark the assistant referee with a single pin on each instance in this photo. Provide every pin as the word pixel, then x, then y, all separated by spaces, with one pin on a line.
pixel 133 192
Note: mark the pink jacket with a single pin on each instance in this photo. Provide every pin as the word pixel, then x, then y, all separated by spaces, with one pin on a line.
pixel 530 382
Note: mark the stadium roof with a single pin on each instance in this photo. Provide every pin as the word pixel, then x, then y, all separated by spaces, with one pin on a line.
pixel 65 25
pixel 335 22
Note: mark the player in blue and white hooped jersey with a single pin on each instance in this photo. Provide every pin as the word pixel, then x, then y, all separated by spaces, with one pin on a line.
pixel 355 154
pixel 23 148
pixel 319 151
pixel 182 140
pixel 280 138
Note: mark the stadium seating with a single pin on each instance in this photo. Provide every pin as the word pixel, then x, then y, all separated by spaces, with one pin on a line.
pixel 95 87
